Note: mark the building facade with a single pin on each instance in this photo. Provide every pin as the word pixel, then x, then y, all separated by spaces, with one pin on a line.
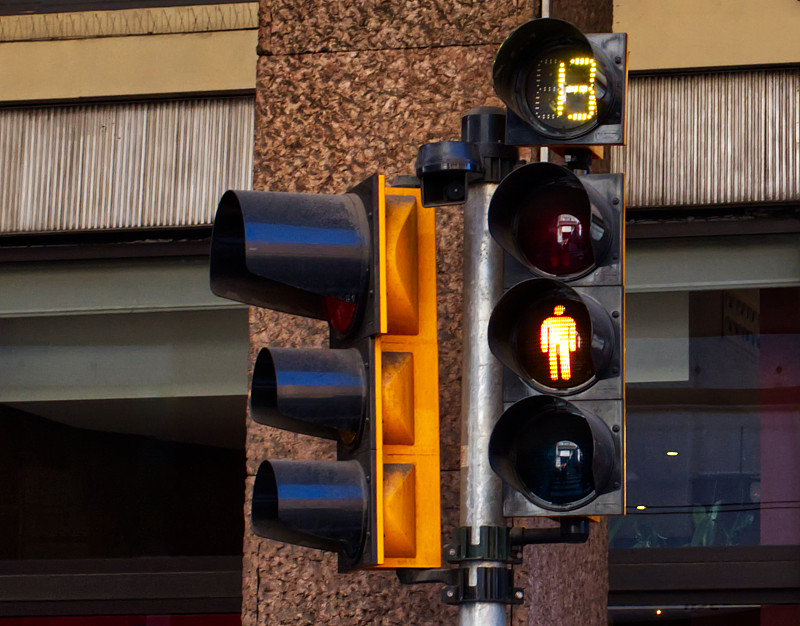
pixel 123 382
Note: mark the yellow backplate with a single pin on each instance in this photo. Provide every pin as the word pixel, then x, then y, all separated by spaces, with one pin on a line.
pixel 407 375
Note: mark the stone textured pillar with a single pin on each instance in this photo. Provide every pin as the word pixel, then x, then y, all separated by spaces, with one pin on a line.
pixel 346 90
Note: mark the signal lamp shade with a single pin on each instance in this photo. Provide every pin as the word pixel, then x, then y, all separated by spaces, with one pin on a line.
pixel 558 456
pixel 306 254
pixel 313 391
pixel 550 222
pixel 548 74
pixel 317 504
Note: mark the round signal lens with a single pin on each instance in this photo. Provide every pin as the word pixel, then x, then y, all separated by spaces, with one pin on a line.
pixel 341 314
pixel 553 343
pixel 554 459
pixel 561 90
pixel 554 231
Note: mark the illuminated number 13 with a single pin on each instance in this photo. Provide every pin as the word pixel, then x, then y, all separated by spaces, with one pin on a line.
pixel 588 65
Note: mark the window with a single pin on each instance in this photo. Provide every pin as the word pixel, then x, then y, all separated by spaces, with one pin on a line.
pixel 713 432
pixel 714 421
pixel 122 425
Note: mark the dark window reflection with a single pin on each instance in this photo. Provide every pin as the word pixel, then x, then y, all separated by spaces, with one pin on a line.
pixel 706 616
pixel 68 492
pixel 714 459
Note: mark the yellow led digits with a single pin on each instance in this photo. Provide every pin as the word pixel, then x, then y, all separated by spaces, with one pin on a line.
pixel 559 339
pixel 583 89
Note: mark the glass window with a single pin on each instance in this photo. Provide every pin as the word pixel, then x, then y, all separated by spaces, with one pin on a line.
pixel 126 620
pixel 713 419
pixel 122 435
pixel 707 616
pixel 71 492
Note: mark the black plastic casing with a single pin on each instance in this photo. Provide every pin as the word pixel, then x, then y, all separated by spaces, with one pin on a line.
pixel 511 72
pixel 599 403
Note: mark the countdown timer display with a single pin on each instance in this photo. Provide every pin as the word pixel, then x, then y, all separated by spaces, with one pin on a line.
pixel 562 90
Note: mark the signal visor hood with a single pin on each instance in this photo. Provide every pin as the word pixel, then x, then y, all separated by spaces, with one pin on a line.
pixel 290 252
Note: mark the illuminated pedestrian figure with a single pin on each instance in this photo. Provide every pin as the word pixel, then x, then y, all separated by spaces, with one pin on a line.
pixel 559 338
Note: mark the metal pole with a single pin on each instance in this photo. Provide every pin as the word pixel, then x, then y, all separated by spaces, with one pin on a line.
pixel 482 400
pixel 544 151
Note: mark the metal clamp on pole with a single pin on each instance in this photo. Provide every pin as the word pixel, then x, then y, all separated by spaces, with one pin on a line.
pixel 495 545
pixel 499 545
pixel 504 544
pixel 479 584
pixel 494 585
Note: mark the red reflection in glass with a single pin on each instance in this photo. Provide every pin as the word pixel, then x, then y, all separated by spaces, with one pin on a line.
pixel 340 313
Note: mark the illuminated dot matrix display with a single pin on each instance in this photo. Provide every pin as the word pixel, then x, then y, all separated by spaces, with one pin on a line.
pixel 563 93
pixel 559 339
pixel 554 344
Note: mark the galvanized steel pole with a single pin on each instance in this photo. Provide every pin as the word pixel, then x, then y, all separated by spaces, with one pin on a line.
pixel 482 401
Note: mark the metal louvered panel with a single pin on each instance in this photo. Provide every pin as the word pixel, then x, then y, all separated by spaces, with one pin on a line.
pixel 132 165
pixel 783 132
pixel 712 138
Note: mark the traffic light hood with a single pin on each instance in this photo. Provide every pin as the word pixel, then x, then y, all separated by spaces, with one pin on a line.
pixel 513 60
pixel 322 505
pixel 291 252
pixel 561 87
pixel 314 391
pixel 551 221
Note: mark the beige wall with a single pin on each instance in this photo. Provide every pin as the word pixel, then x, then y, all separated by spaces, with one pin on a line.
pixel 128 53
pixel 123 66
pixel 709 33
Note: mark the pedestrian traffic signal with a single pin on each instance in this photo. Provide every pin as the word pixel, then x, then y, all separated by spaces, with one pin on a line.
pixel 553 337
pixel 365 262
pixel 558 329
pixel 562 87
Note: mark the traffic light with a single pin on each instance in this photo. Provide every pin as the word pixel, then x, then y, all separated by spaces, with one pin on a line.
pixel 561 87
pixel 365 262
pixel 558 329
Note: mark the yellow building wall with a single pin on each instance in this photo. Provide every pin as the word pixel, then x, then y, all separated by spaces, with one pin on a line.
pixel 709 33
pixel 63 56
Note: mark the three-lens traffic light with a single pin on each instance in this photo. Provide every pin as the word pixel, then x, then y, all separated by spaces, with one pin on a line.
pixel 558 329
pixel 365 262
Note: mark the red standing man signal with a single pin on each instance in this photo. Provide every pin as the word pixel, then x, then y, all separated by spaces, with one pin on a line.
pixel 559 338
